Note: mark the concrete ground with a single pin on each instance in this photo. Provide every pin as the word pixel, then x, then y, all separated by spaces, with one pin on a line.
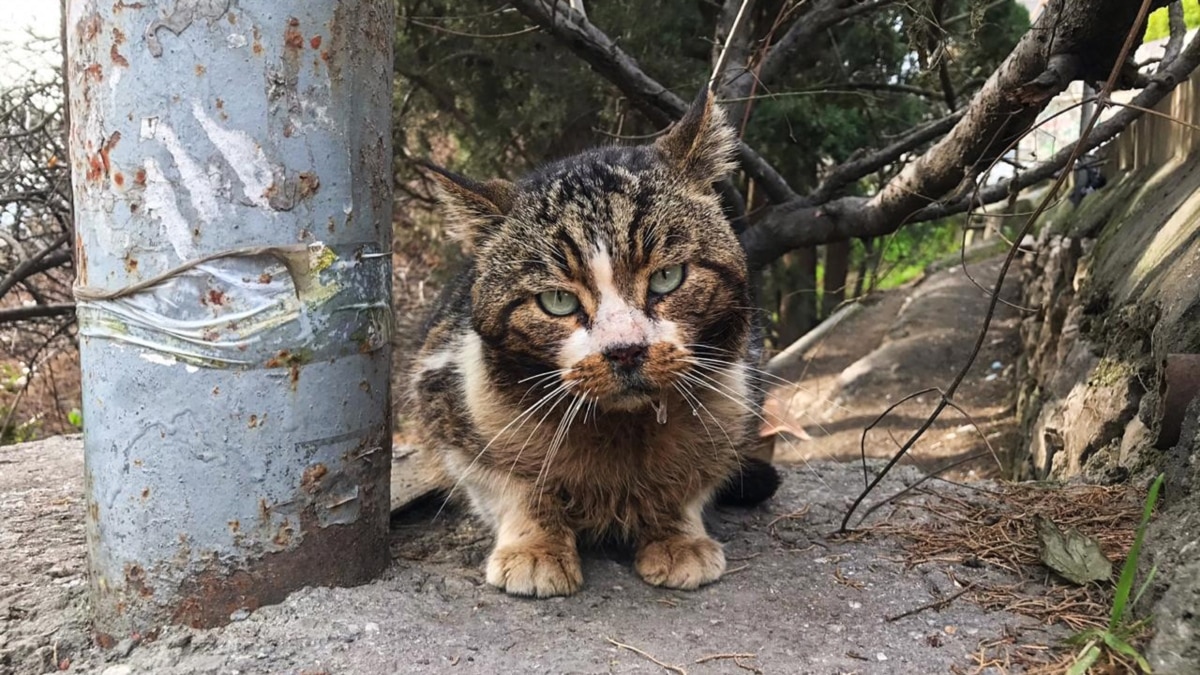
pixel 794 601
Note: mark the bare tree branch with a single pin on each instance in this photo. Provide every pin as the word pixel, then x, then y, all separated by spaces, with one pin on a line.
pixel 1156 90
pixel 35 312
pixel 857 168
pixel 654 100
pixel 1086 38
pixel 1178 31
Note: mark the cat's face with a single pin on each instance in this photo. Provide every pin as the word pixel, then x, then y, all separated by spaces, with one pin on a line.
pixel 610 273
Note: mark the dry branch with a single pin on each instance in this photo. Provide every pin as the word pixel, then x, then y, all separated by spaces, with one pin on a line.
pixel 1070 41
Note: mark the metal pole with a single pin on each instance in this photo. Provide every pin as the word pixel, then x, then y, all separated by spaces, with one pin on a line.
pixel 232 177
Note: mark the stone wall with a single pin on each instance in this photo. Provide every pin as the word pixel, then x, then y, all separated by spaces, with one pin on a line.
pixel 1115 290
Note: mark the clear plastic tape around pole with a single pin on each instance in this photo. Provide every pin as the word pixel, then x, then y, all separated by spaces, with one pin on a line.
pixel 276 307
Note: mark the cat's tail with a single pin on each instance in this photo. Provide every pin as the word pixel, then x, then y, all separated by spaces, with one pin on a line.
pixel 755 481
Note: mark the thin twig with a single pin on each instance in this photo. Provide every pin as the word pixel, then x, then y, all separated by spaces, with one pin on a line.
pixel 938 605
pixel 635 650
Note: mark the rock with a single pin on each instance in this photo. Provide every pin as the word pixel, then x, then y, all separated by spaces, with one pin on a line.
pixel 240 615
pixel 180 641
pixel 119 669
pixel 124 648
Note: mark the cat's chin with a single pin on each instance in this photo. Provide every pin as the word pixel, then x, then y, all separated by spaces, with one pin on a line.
pixel 629 402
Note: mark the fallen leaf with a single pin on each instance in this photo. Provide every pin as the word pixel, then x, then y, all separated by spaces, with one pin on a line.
pixel 1075 556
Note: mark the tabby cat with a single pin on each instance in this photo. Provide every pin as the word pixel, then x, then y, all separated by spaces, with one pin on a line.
pixel 587 374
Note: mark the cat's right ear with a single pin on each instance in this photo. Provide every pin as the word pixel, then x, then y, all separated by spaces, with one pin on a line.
pixel 472 209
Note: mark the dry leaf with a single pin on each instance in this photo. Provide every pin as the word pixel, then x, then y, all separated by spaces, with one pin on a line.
pixel 1075 556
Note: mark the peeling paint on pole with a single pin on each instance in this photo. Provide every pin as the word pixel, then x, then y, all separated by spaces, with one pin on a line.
pixel 232 175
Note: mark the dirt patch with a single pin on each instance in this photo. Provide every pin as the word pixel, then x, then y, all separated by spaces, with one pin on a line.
pixel 906 340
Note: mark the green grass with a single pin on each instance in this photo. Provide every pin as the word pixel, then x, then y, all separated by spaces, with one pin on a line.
pixel 1119 633
pixel 1156 25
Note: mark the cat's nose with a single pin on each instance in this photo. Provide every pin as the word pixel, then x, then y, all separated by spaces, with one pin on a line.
pixel 627 357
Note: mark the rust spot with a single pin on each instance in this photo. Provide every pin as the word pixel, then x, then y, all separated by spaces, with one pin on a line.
pixel 120 5
pixel 216 391
pixel 294 375
pixel 131 263
pixel 216 297
pixel 95 168
pixel 135 579
pixel 200 69
pixel 104 640
pixel 118 36
pixel 116 57
pixel 81 259
pixel 139 177
pixel 284 536
pixel 145 493
pixel 325 56
pixel 89 27
pixel 220 103
pixel 232 18
pixel 264 510
pixel 279 359
pixel 288 130
pixel 138 463
pixel 292 38
pixel 119 179
pixel 264 278
pixel 93 72
pixel 365 386
pixel 311 480
pixel 235 526
pixel 317 556
pixel 309 184
pixel 315 42
pixel 253 421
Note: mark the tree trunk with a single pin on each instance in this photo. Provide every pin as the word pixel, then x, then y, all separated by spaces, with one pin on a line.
pixel 796 278
pixel 837 268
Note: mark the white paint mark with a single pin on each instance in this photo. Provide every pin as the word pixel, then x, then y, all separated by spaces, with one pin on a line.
pixel 191 369
pixel 235 40
pixel 148 128
pixel 192 176
pixel 160 202
pixel 244 156
pixel 114 78
pixel 160 359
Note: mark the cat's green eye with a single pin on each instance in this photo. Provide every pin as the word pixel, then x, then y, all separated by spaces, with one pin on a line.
pixel 666 280
pixel 558 303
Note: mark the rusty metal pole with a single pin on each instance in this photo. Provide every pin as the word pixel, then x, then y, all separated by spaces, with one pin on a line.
pixel 232 176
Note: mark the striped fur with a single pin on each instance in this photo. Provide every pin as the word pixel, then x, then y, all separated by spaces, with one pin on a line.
pixel 528 414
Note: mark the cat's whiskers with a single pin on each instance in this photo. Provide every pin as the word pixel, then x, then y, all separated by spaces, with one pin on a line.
pixel 557 395
pixel 541 381
pixel 529 438
pixel 765 378
pixel 560 435
pixel 780 420
pixel 563 431
pixel 698 377
pixel 692 403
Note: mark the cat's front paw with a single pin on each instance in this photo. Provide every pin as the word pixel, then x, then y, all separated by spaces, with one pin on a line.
pixel 681 562
pixel 539 571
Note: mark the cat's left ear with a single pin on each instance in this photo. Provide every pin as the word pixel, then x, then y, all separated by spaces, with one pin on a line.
pixel 473 210
pixel 701 146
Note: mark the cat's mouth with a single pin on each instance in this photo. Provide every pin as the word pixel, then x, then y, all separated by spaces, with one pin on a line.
pixel 618 386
